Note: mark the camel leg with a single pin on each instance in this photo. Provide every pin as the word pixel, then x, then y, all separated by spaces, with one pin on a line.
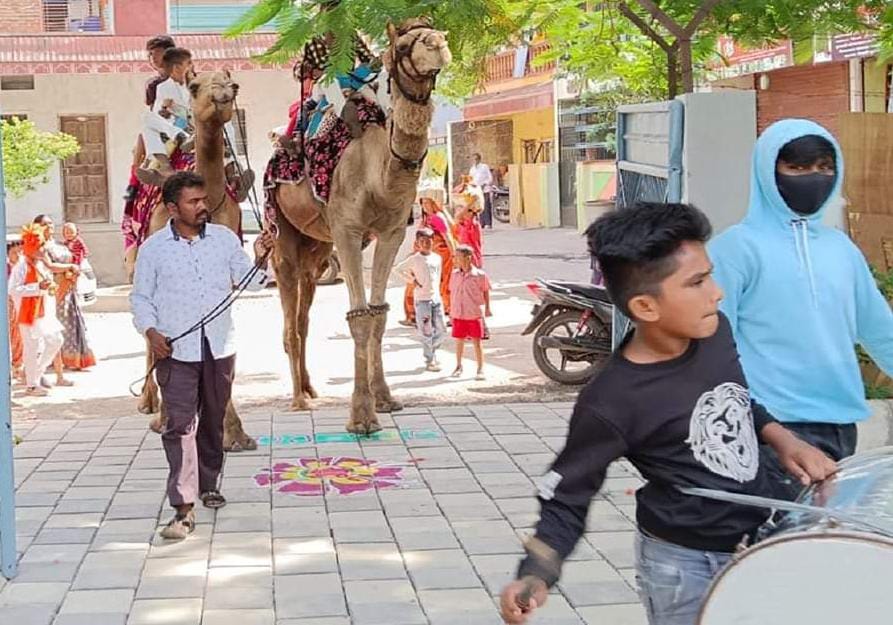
pixel 362 410
pixel 385 252
pixel 308 292
pixel 234 437
pixel 149 400
pixel 288 280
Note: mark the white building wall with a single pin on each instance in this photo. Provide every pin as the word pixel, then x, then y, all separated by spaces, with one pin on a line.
pixel 265 95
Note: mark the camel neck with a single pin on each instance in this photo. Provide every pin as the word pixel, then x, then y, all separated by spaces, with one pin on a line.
pixel 209 162
pixel 410 122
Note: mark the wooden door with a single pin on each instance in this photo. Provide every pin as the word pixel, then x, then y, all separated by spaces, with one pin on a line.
pixel 867 143
pixel 85 175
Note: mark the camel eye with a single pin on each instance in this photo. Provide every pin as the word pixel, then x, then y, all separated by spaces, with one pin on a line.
pixel 402 46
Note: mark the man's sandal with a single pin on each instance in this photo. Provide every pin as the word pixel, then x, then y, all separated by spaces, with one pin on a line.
pixel 179 527
pixel 213 499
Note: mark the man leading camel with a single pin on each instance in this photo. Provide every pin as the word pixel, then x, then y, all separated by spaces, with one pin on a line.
pixel 182 273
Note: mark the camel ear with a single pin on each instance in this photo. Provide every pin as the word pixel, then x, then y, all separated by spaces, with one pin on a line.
pixel 227 74
pixel 392 33
pixel 193 89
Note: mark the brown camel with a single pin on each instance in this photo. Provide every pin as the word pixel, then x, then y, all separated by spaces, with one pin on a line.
pixel 373 189
pixel 213 103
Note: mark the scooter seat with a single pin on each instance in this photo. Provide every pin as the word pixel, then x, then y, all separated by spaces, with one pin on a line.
pixel 590 291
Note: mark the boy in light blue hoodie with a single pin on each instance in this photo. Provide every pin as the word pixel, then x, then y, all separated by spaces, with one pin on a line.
pixel 799 294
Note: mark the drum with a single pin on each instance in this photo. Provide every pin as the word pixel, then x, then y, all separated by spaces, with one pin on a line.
pixel 829 562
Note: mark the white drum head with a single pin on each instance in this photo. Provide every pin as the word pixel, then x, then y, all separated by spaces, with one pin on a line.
pixel 812 578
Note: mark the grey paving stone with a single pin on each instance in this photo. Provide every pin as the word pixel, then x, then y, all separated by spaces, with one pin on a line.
pixel 166 612
pixel 92 618
pixel 633 614
pixel 302 596
pixel 28 593
pixel 64 536
pixel 242 550
pixel 52 554
pixel 505 485
pixel 361 561
pixel 615 547
pixel 360 527
pixel 496 571
pixel 450 481
pixel 47 571
pixel 522 513
pixel 473 441
pixel 256 523
pixel 418 533
pixel 239 598
pixel 469 607
pixel 481 462
pixel 198 545
pixel 604 517
pixel 468 507
pixel 594 583
pixel 334 620
pixel 521 443
pixel 296 556
pixel 487 537
pixel 170 587
pixel 387 602
pixel 240 577
pixel 27 614
pixel 81 506
pixel 441 569
pixel 97 601
pixel 336 502
pixel 408 503
pixel 557 611
pixel 238 617
pixel 298 522
pixel 24 500
pixel 111 569
pixel 438 458
pixel 87 520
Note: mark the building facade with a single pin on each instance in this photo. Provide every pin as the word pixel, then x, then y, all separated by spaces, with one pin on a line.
pixel 80 66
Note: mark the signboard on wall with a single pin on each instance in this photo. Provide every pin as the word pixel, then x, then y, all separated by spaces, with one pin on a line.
pixel 739 60
pixel 853 46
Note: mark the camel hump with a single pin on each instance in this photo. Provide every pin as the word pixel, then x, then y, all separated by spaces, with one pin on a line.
pixel 303 211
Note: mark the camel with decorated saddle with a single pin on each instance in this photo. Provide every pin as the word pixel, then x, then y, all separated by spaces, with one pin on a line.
pixel 368 194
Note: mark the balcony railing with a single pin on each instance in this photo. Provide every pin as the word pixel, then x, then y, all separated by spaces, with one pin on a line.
pixel 502 66
pixel 76 16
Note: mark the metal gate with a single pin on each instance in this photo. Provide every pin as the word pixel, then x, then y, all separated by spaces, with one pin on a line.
pixel 582 136
pixel 649 163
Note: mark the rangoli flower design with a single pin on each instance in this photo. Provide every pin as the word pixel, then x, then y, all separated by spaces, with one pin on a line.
pixel 342 475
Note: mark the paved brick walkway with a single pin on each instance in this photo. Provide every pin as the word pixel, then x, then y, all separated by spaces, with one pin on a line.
pixel 421 526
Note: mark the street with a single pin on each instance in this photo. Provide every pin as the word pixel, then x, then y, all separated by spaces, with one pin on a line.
pixel 513 258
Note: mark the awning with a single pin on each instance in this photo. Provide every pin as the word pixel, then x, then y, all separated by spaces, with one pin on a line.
pixel 511 101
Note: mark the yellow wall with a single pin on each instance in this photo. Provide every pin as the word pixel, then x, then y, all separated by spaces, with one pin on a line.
pixel 875 78
pixel 538 124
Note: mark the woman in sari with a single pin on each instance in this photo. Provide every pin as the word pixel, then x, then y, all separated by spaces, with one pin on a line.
pixel 436 219
pixel 13 253
pixel 76 354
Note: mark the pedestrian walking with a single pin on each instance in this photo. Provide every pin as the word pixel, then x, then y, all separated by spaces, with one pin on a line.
pixel 800 294
pixel 482 177
pixel 673 400
pixel 423 270
pixel 469 292
pixel 34 291
pixel 183 272
pixel 13 256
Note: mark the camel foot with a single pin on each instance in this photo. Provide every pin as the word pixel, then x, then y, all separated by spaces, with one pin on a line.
pixel 299 404
pixel 310 392
pixel 388 405
pixel 241 442
pixel 363 429
pixel 156 424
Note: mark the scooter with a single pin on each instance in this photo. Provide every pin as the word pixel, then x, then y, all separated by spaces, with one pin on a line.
pixel 572 325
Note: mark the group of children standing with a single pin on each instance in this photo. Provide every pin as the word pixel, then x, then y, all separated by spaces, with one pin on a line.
pixel 444 277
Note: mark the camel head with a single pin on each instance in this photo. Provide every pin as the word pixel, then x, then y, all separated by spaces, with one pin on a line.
pixel 213 97
pixel 417 54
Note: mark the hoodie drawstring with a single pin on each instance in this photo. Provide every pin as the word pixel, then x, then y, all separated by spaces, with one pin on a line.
pixel 801 242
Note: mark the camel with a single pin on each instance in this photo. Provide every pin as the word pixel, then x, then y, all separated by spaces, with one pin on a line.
pixel 373 188
pixel 213 103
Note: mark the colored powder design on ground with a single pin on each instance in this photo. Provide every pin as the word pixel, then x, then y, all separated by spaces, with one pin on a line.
pixel 340 475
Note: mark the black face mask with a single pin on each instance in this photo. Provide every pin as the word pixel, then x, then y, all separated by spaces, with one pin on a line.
pixel 806 194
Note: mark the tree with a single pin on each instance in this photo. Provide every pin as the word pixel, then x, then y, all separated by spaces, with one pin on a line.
pixel 28 154
pixel 476 28
pixel 683 32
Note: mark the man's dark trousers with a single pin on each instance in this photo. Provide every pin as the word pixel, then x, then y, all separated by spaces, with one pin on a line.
pixel 194 397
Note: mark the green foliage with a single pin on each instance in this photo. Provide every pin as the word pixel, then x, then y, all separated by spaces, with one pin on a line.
pixel 602 43
pixel 874 389
pixel 475 29
pixel 29 153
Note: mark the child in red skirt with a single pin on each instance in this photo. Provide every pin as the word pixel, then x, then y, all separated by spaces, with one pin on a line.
pixel 469 291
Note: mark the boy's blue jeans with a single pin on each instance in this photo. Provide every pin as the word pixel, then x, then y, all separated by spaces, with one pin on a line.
pixel 673 580
pixel 433 311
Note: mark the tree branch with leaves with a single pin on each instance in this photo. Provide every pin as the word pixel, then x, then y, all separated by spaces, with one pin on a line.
pixel 29 153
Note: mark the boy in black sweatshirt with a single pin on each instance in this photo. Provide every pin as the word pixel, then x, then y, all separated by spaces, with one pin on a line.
pixel 674 401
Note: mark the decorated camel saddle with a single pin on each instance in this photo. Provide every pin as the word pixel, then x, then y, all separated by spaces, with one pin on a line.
pixel 320 137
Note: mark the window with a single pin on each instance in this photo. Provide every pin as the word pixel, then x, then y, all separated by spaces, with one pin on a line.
pixel 76 16
pixel 536 151
pixel 24 82
pixel 201 16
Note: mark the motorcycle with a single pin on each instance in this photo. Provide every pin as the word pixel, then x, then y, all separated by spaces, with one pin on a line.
pixel 500 201
pixel 572 325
